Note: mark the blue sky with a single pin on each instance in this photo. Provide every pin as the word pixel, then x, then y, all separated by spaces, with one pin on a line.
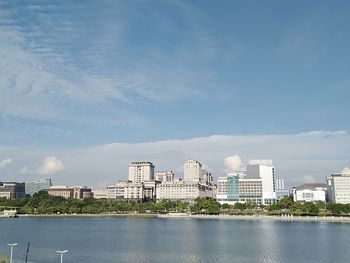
pixel 78 74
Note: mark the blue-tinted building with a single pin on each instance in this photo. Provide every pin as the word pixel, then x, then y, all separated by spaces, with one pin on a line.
pixel 232 188
pixel 37 185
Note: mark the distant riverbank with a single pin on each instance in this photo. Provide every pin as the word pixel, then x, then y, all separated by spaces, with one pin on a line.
pixel 134 215
pixel 276 218
pixel 217 217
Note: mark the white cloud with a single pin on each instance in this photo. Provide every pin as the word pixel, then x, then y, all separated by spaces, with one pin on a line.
pixel 50 165
pixel 233 163
pixel 314 154
pixel 5 163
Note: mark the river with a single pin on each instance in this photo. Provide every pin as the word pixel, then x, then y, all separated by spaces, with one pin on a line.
pixel 154 240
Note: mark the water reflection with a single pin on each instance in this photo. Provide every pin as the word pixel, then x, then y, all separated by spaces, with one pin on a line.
pixel 119 240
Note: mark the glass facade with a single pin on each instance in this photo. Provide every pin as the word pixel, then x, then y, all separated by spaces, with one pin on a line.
pixel 37 185
pixel 232 188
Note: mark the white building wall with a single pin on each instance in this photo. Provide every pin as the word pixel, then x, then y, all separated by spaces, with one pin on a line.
pixel 338 185
pixel 192 170
pixel 266 173
pixel 183 190
pixel 308 195
pixel 164 176
pixel 141 171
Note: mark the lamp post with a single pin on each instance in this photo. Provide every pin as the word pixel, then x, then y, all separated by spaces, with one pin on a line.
pixel 61 253
pixel 12 245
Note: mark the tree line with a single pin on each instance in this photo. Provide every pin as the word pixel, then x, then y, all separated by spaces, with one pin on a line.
pixel 43 203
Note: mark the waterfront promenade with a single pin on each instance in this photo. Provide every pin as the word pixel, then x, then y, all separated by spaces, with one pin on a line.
pixel 290 218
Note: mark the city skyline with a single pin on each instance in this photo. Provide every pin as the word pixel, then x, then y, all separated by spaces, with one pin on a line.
pixel 86 88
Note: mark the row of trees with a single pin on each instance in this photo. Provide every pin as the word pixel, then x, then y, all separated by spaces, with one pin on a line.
pixel 43 203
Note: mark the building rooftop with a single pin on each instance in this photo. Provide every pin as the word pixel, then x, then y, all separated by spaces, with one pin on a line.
pixel 313 186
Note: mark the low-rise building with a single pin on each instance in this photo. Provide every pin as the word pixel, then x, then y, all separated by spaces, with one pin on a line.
pixel 338 186
pixel 116 191
pixel 12 190
pixel 76 192
pixel 127 190
pixel 310 193
pixel 183 191
pixel 100 194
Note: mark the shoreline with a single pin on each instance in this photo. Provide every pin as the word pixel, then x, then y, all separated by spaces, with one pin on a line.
pixel 106 215
pixel 330 219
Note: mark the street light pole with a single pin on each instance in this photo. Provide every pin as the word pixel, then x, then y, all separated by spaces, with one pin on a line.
pixel 61 253
pixel 12 245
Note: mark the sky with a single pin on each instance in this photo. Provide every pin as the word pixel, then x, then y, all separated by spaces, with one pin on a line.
pixel 86 87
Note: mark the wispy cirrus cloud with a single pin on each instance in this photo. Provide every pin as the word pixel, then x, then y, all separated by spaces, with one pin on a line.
pixel 65 69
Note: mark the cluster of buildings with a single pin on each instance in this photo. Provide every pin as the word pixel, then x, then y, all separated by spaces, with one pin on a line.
pixel 145 184
pixel 13 190
pixel 254 183
pixel 335 190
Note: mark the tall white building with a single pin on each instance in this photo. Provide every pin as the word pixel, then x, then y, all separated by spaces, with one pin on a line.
pixel 265 171
pixel 192 171
pixel 141 171
pixel 140 186
pixel 338 185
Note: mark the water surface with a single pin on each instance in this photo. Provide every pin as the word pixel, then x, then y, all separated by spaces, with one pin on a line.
pixel 152 240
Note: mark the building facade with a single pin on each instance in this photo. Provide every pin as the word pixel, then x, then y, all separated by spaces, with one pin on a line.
pixel 338 186
pixel 255 184
pixel 227 190
pixel 164 176
pixel 35 186
pixel 310 193
pixel 12 190
pixel 180 190
pixel 76 192
pixel 116 191
pixel 192 171
pixel 100 194
pixel 196 183
pixel 141 171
